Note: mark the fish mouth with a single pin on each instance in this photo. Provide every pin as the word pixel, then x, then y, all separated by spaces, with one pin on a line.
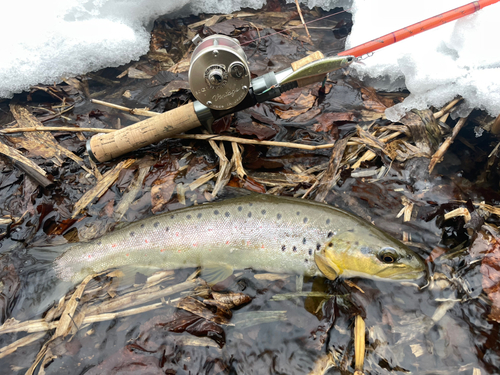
pixel 409 275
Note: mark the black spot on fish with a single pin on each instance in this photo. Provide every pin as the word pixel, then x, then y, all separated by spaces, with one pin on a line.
pixel 249 214
pixel 283 247
pixel 142 225
pixel 351 230
pixel 278 216
pixel 263 212
pixel 227 214
pixel 132 234
pixel 304 240
pixel 99 243
pixel 294 249
pixel 216 212
pixel 199 216
pixel 156 224
pixel 310 251
pixel 330 244
pixel 188 216
pixel 306 260
pixel 330 234
pixel 167 229
pixel 172 216
pixel 328 221
pixel 305 220
pixel 318 246
pixel 298 213
pixel 250 204
pixel 240 208
pixel 356 243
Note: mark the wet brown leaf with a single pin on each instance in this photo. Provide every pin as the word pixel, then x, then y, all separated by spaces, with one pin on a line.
pixel 259 130
pixel 221 316
pixel 171 88
pixel 229 300
pixel 327 120
pixel 152 333
pixel 309 115
pixel 288 97
pixel 302 104
pixel 373 101
pixel 490 269
pixel 228 27
pixel 162 191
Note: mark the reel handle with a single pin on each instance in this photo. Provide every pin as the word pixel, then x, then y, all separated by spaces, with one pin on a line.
pixel 104 147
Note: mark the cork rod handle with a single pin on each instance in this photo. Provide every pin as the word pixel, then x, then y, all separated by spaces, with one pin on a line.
pixel 104 147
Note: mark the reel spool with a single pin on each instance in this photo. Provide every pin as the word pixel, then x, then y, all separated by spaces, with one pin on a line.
pixel 219 75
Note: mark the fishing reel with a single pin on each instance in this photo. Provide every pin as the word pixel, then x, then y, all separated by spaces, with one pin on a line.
pixel 219 75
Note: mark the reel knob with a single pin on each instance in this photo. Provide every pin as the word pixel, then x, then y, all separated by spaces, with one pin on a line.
pixel 216 76
pixel 219 75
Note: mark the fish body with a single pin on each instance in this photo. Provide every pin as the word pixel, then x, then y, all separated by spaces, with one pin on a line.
pixel 263 232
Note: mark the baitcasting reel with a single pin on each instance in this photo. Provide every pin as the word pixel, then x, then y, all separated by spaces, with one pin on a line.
pixel 219 75
pixel 220 80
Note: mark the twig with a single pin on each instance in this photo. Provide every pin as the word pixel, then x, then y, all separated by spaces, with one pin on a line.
pixel 213 137
pixel 133 111
pixel 438 155
pixel 359 344
pixel 302 18
pixel 252 141
pixel 447 108
pixel 55 129
pixel 26 340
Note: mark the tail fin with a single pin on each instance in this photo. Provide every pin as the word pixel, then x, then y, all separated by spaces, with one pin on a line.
pixel 38 287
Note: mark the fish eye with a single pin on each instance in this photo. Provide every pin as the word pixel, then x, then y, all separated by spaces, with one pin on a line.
pixel 388 255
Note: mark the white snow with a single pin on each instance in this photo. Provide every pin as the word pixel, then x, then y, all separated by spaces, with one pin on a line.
pixel 44 41
pixel 459 58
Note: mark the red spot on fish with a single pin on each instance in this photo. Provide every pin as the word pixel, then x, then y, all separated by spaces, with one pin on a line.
pixel 210 229
pixel 178 251
pixel 146 241
pixel 126 255
pixel 235 227
pixel 162 250
pixel 114 245
pixel 90 256
pixel 209 249
pixel 177 234
pixel 248 243
pixel 262 246
pixel 227 242
pixel 195 244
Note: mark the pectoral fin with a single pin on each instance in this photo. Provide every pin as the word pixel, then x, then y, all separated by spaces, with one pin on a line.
pixel 326 266
pixel 215 274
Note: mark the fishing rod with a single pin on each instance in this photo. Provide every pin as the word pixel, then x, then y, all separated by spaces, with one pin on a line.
pixel 220 80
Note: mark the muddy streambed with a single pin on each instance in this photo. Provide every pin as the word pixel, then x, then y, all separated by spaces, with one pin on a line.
pixel 253 322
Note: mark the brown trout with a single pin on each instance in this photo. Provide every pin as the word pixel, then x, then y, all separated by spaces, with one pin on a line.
pixel 262 232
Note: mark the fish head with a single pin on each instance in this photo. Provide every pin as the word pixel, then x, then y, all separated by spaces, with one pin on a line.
pixel 366 251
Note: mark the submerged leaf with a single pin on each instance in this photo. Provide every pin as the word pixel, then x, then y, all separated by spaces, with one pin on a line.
pixel 490 269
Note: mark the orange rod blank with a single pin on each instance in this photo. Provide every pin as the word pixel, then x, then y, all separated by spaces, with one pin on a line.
pixel 417 28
